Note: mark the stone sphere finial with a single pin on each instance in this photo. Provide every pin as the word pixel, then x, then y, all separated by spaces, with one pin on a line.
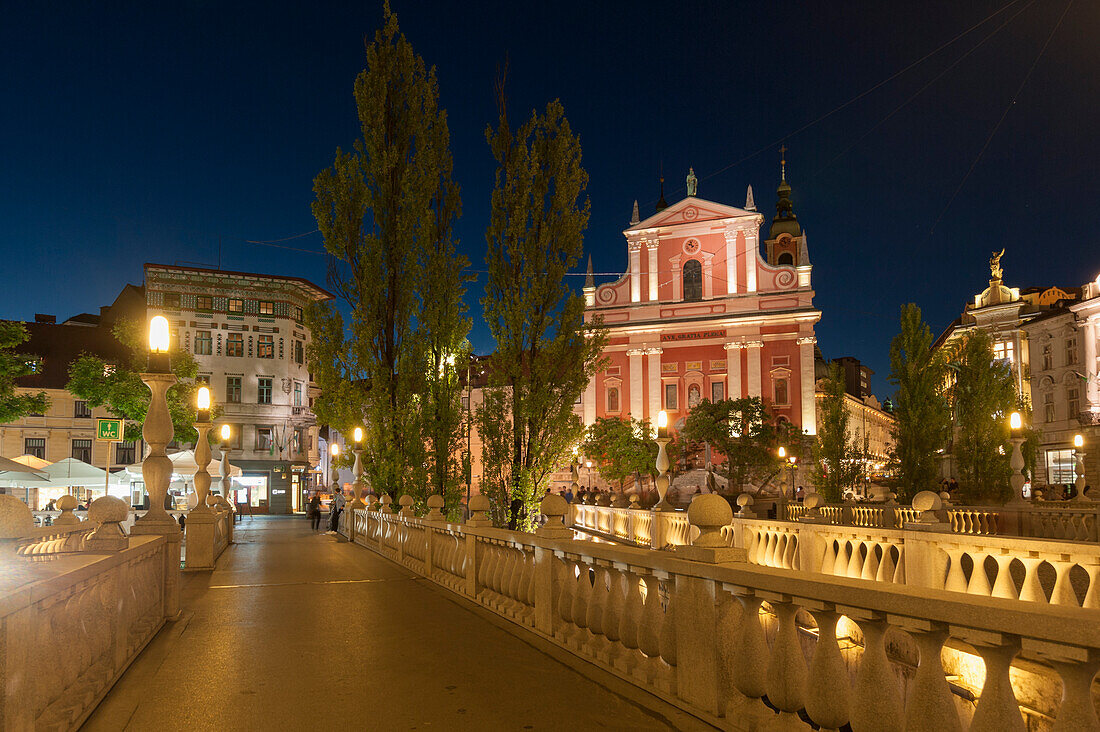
pixel 66 505
pixel 813 500
pixel 709 512
pixel 386 500
pixel 16 519
pixel 435 507
pixel 927 503
pixel 479 510
pixel 745 501
pixel 553 505
pixel 108 510
pixel 406 502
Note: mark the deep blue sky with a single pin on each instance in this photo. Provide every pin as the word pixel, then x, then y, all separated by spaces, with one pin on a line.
pixel 137 132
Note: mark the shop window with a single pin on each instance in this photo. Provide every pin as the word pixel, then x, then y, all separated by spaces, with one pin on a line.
pixel 717 391
pixel 234 345
pixel 1060 467
pixel 780 392
pixel 670 397
pixel 81 410
pixel 693 280
pixel 35 446
pixel 267 308
pixel 82 450
pixel 204 302
pixel 235 305
pixel 613 399
pixel 263 395
pixel 233 389
pixel 125 452
pixel 203 343
pixel 265 347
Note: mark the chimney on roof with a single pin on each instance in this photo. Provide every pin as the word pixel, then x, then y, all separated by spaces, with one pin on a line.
pixel 43 318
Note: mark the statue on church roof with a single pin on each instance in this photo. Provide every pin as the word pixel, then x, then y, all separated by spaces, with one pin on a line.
pixel 692 182
pixel 995 271
pixel 750 202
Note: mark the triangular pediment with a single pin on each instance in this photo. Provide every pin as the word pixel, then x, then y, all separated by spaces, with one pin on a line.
pixel 691 210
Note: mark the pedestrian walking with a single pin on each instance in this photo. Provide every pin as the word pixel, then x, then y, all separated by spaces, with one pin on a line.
pixel 313 510
pixel 334 508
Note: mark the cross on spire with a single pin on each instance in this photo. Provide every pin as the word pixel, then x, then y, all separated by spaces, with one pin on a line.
pixel 783 162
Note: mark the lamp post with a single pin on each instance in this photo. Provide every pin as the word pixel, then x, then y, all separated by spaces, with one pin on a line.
pixel 662 463
pixel 794 469
pixel 357 470
pixel 202 450
pixel 334 454
pixel 588 464
pixel 223 466
pixel 1079 468
pixel 1016 479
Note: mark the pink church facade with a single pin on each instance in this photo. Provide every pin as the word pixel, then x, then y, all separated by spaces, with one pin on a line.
pixel 700 314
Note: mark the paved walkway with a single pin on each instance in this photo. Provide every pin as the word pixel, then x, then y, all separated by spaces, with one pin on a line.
pixel 295 631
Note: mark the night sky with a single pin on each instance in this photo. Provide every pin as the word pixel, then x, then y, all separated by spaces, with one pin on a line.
pixel 153 131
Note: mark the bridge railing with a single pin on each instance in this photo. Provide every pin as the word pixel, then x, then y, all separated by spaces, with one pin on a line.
pixel 746 645
pixel 78 602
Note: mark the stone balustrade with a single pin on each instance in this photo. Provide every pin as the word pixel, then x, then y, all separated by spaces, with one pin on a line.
pixel 746 638
pixel 78 602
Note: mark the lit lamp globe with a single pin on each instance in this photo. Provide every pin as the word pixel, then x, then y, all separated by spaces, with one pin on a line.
pixel 1078 442
pixel 357 435
pixel 335 449
pixel 1016 462
pixel 782 452
pixel 225 434
pixel 1015 421
pixel 202 401
pixel 662 424
pixel 158 345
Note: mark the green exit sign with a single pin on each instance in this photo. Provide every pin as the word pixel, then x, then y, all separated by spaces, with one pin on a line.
pixel 108 429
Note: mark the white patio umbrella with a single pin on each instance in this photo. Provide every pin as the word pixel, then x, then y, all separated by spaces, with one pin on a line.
pixel 71 472
pixel 184 467
pixel 18 475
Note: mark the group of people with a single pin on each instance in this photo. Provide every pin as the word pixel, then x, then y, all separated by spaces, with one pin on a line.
pixel 949 486
pixel 335 508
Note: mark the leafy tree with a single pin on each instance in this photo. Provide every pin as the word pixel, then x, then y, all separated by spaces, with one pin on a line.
pixel 982 395
pixel 546 353
pixel 747 434
pixel 838 459
pixel 386 212
pixel 621 449
pixel 118 386
pixel 14 405
pixel 923 420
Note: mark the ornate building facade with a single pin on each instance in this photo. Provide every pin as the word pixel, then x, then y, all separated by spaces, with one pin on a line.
pixel 700 314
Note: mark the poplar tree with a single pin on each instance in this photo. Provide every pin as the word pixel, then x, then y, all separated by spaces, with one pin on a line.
pixel 386 211
pixel 545 354
pixel 14 405
pixel 838 458
pixel 923 422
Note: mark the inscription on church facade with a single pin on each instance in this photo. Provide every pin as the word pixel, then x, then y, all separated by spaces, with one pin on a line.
pixel 698 335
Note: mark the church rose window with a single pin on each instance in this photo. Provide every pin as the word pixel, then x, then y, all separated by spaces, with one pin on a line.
pixel 693 280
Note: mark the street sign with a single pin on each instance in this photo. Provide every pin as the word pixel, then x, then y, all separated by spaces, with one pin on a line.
pixel 108 429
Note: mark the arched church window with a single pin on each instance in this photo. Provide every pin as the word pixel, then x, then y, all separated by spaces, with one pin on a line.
pixel 612 399
pixel 693 280
pixel 781 395
pixel 786 258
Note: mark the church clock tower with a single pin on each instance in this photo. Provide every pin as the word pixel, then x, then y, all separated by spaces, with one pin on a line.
pixel 786 242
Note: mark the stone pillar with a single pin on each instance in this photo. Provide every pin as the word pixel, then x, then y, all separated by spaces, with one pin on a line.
pixel 1092 389
pixel 752 253
pixel 156 470
pixel 635 271
pixel 733 370
pixel 731 263
pixel 200 519
pixel 637 394
pixel 807 383
pixel 227 489
pixel 654 357
pixel 654 270
pixel 755 352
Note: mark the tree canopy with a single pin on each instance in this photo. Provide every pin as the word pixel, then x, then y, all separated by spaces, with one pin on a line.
pixel 13 365
pixel 838 457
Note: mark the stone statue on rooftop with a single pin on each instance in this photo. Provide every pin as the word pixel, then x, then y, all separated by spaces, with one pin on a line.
pixel 692 182
pixel 995 270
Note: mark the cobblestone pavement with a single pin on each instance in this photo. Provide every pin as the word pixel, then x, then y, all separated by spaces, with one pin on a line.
pixel 296 631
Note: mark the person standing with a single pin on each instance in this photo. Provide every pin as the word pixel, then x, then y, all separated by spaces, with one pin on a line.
pixel 313 510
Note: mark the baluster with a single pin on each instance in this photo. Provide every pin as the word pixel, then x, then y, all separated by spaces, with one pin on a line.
pixel 855 561
pixel 750 650
pixel 997 710
pixel 886 567
pixel 877 698
pixel 1003 586
pixel 518 565
pixel 769 552
pixel 649 629
pixel 484 566
pixel 1092 596
pixel 792 552
pixel 499 569
pixel 613 607
pixel 829 560
pixel 1063 591
pixel 871 563
pixel 580 598
pixel 787 666
pixel 1031 591
pixel 840 565
pixel 629 621
pixel 1076 713
pixel 530 587
pixel 596 602
pixel 979 581
pixel 565 592
pixel 956 579
pixel 899 572
pixel 827 695
pixel 667 640
pixel 931 706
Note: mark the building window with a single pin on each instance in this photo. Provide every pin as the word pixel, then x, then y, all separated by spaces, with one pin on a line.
pixel 233 389
pixel 265 347
pixel 613 399
pixel 204 302
pixel 1060 465
pixel 1048 406
pixel 267 308
pixel 172 300
pixel 235 432
pixel 299 353
pixel 234 345
pixel 1072 400
pixel 203 379
pixel 782 397
pixel 717 391
pixel 235 305
pixel 82 450
pixel 263 395
pixel 785 258
pixel 203 343
pixel 693 280
pixel 1048 357
pixel 35 446
pixel 1071 351
pixel 265 437
pixel 1003 351
pixel 298 314
pixel 81 410
pixel 125 452
pixel 297 393
pixel 670 396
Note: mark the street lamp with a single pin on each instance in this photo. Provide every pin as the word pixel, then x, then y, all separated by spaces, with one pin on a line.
pixel 662 462
pixel 202 449
pixel 157 431
pixel 588 464
pixel 334 453
pixel 357 469
pixel 1016 479
pixel 1079 468
pixel 226 434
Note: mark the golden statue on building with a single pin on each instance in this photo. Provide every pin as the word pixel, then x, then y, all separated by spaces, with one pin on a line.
pixel 995 270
